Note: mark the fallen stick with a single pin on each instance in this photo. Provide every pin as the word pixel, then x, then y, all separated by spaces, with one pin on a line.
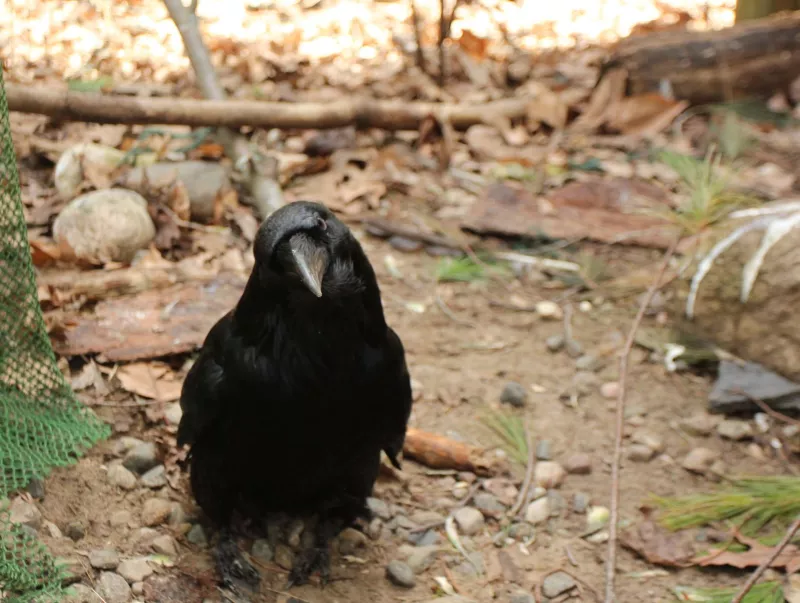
pixel 439 452
pixel 67 105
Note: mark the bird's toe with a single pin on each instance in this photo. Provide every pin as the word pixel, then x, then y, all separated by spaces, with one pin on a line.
pixel 308 562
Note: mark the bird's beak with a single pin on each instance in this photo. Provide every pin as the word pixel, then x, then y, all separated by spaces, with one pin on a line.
pixel 311 261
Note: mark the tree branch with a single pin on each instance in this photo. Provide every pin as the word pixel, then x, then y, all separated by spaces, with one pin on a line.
pixel 387 115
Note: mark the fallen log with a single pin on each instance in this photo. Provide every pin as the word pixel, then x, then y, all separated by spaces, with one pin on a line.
pixel 67 105
pixel 751 59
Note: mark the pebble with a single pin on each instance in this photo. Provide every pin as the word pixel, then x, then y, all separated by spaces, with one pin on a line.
pixel 652 441
pixel 514 394
pixel 262 551
pixel 119 476
pixel 578 464
pixel 120 519
pixel 197 535
pixel 75 530
pixel 428 538
pixel 469 520
pixel 25 513
pixel 460 490
pixel 574 349
pixel 699 425
pixel 580 502
pixel 423 518
pixel 137 588
pixel 294 532
pixel 113 588
pixel 756 451
pixel 135 570
pixel 166 545
pixel 52 529
pixel 521 530
pixel 155 477
pixel 522 598
pixel 699 460
pixel 544 450
pixel 488 504
pixel 177 516
pixel 141 458
pixel 588 362
pixel 374 528
pixel 379 508
pixel 549 310
pixel 400 574
pixel 557 584
pixel 173 413
pixel 557 503
pixel 351 540
pixel 639 453
pixel 555 343
pixel 538 511
pixel 422 558
pixel 284 557
pixel 104 559
pixel 36 488
pixel 474 568
pixel 734 429
pixel 610 390
pixel 125 444
pixel 156 511
pixel 548 474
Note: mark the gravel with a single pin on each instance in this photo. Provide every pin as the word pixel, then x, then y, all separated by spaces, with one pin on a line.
pixel 400 574
pixel 113 588
pixel 514 394
pixel 104 559
pixel 469 520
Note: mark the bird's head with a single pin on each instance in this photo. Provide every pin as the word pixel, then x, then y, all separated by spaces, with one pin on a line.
pixel 297 242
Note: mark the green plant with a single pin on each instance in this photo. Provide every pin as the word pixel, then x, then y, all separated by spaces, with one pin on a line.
pixel 765 592
pixel 512 431
pixel 466 269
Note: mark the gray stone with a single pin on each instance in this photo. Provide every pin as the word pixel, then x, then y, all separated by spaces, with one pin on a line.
pixel 104 559
pixel 422 558
pixel 25 513
pixel 738 383
pixel 113 588
pixel 284 557
pixel 424 518
pixel 523 598
pixel 36 488
pixel 488 504
pixel 557 503
pixel 469 520
pixel 197 535
pixel 574 349
pixel 173 413
pixel 125 444
pixel 639 453
pixel 734 429
pixel 653 441
pixel 155 477
pixel 538 511
pixel 521 531
pixel 351 540
pixel 474 568
pixel 400 574
pixel 156 511
pixel 555 343
pixel 699 460
pixel 580 502
pixel 119 519
pixel 544 450
pixel 141 458
pixel 588 362
pixel 374 528
pixel 165 545
pixel 262 551
pixel 428 538
pixel 514 394
pixel 79 593
pixel 557 584
pixel 379 508
pixel 119 476
pixel 135 570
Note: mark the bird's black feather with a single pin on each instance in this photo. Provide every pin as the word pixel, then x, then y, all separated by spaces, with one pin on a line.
pixel 293 396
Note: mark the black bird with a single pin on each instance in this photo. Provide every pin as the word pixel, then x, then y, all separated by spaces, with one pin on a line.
pixel 296 391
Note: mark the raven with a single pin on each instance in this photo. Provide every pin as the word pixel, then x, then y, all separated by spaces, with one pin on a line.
pixel 295 391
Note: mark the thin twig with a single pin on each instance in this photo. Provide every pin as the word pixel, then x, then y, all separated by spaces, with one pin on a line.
pixel 768 562
pixel 611 564
pixel 416 23
pixel 766 407
pixel 450 314
pixel 526 483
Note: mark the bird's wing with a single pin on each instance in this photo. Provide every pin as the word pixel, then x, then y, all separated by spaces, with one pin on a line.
pixel 396 386
pixel 201 395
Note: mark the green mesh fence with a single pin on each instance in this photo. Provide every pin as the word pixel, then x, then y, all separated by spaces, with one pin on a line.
pixel 42 425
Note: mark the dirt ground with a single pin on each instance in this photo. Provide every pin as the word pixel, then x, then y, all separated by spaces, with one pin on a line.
pixel 459 370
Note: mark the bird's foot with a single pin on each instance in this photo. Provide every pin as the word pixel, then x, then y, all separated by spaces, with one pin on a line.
pixel 236 573
pixel 307 562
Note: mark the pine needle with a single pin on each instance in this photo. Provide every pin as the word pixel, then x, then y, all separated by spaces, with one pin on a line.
pixel 466 269
pixel 766 592
pixel 752 502
pixel 512 431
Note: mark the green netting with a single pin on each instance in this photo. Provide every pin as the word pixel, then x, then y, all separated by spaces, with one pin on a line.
pixel 42 424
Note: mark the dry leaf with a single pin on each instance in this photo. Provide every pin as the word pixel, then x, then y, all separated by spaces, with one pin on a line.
pixel 548 107
pixel 179 201
pixel 44 252
pixel 657 545
pixel 150 380
pixel 753 557
pixel 473 45
pixel 644 114
pixel 608 92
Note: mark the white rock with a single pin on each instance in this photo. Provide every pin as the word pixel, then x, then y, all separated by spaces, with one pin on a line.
pixel 538 511
pixel 469 520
